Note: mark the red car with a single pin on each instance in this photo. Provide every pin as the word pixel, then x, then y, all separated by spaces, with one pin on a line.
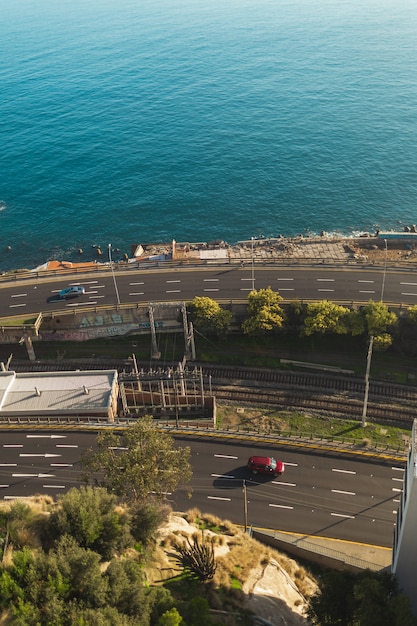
pixel 265 465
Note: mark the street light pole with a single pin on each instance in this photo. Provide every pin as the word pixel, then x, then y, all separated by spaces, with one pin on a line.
pixel 385 271
pixel 114 277
pixel 371 345
pixel 253 267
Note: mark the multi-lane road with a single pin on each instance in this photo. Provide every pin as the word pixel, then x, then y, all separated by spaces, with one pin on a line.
pixel 342 284
pixel 334 495
pixel 328 494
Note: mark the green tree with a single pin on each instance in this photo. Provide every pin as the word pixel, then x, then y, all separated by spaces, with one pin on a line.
pixel 365 599
pixel 264 311
pixel 208 316
pixel 325 316
pixel 146 519
pixel 90 516
pixel 382 342
pixel 378 318
pixel 355 322
pixel 138 463
pixel 170 618
pixel 412 314
pixel 126 590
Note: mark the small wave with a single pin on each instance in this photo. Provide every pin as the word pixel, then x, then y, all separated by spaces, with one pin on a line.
pixel 3 205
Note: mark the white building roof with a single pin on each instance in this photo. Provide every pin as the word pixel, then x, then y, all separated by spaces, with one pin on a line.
pixel 52 393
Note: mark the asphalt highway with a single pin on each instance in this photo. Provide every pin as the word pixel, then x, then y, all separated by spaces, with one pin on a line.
pixel 341 284
pixel 330 494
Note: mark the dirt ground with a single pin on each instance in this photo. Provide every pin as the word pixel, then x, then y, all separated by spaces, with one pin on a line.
pixel 270 590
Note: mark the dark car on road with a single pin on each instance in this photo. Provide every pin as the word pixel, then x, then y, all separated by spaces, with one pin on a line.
pixel 265 465
pixel 71 292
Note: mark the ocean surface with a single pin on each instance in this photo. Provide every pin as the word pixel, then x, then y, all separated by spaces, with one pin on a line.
pixel 135 121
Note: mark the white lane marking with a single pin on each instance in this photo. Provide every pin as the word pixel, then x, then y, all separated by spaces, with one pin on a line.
pixel 136 284
pixel 174 291
pixel 61 464
pixel 98 296
pixel 85 282
pixel 117 448
pixel 347 493
pixel 75 304
pixel 411 284
pixel 325 280
pixel 53 486
pixel 280 506
pixel 66 445
pixel 366 281
pixel 343 471
pixel 292 464
pixel 137 293
pixel 17 497
pixel 211 289
pixel 13 445
pixel 397 469
pixel 45 456
pixel 222 476
pixel 210 280
pixel 46 436
pixel 19 295
pixel 325 289
pixel 172 281
pixel 4 486
pixel 398 480
pixel 394 511
pixel 405 293
pixel 33 475
pixel 341 515
pixel 225 456
pixel 277 482
pixel 286 289
pixel 216 498
pixel 13 306
pixel 285 279
pixel 245 289
pixel 396 499
pixel 8 464
pixel 246 279
pixel 396 490
pixel 361 291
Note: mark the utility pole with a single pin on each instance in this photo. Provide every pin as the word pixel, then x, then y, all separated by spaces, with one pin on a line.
pixel 113 274
pixel 245 506
pixel 253 267
pixel 368 367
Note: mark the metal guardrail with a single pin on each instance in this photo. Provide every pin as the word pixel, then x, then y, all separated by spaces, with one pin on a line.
pixel 205 427
pixel 100 308
pixel 126 268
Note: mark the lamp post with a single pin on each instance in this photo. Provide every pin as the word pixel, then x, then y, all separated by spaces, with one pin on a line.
pixel 385 270
pixel 253 267
pixel 371 344
pixel 114 277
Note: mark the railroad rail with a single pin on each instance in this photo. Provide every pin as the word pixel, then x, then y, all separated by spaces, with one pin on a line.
pixel 338 395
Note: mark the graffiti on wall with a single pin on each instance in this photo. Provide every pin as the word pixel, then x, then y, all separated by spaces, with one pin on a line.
pixel 96 332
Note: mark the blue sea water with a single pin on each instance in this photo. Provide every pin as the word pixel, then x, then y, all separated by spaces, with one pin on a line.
pixel 139 121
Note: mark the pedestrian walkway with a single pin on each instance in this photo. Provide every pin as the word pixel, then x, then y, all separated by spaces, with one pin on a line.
pixel 332 553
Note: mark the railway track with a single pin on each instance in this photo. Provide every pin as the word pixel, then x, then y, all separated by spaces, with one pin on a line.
pixel 351 408
pixel 388 403
pixel 284 379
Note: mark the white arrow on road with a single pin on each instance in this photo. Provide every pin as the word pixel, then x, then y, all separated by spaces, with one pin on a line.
pixel 45 456
pixel 33 475
pixel 46 436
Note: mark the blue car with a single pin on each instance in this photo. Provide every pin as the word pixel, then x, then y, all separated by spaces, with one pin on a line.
pixel 71 292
